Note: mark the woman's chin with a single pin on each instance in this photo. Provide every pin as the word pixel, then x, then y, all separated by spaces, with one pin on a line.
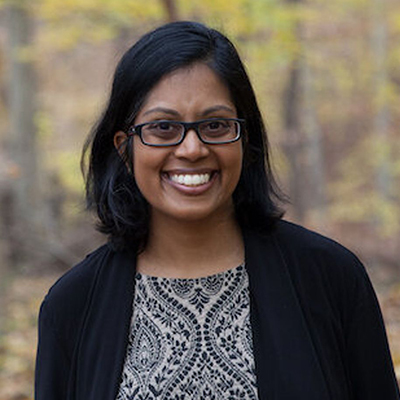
pixel 193 214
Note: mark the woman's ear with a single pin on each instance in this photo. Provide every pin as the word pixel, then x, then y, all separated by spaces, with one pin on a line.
pixel 120 142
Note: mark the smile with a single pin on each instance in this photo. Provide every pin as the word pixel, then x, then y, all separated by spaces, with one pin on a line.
pixel 190 179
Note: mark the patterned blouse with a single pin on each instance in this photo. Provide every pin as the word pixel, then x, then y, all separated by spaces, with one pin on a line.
pixel 190 339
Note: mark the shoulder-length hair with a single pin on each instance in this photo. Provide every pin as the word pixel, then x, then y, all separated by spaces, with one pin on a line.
pixel 111 189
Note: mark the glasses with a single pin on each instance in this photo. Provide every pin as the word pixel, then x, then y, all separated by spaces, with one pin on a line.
pixel 171 133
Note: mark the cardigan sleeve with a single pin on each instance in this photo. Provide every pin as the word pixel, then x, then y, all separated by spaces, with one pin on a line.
pixel 61 318
pixel 342 313
pixel 52 361
pixel 369 360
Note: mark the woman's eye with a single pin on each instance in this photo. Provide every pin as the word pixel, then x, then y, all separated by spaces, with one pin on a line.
pixel 214 125
pixel 162 129
pixel 162 126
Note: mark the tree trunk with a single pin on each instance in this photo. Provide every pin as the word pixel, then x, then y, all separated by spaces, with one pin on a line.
pixel 22 138
pixel 293 143
pixel 381 123
pixel 315 165
pixel 303 145
pixel 293 148
pixel 171 10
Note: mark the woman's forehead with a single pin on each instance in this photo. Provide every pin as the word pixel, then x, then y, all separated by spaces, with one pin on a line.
pixel 195 89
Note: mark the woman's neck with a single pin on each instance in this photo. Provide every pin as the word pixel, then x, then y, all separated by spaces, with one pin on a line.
pixel 192 249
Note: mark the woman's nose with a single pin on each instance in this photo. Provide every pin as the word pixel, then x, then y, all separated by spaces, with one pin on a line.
pixel 192 147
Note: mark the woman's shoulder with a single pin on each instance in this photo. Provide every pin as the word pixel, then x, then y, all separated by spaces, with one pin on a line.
pixel 317 254
pixel 64 308
pixel 321 267
pixel 72 289
pixel 305 241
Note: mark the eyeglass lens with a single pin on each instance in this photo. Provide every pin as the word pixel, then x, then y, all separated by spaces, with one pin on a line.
pixel 211 131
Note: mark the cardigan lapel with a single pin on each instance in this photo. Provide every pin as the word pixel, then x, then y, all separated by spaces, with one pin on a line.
pixel 104 337
pixel 287 366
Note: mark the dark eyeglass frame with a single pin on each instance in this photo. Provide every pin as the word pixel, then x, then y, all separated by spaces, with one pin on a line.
pixel 137 130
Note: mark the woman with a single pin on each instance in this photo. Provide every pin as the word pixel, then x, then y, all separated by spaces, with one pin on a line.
pixel 202 291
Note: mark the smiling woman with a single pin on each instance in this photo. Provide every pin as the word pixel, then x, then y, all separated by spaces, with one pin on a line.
pixel 202 291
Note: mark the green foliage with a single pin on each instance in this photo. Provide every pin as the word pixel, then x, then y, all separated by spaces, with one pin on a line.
pixel 66 162
pixel 92 21
pixel 354 197
pixel 44 128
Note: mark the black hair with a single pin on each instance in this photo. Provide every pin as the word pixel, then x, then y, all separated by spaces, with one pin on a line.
pixel 111 189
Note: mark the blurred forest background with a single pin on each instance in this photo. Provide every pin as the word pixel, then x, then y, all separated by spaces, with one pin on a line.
pixel 327 75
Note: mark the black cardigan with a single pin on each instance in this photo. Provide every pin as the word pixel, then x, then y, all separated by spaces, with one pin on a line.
pixel 317 328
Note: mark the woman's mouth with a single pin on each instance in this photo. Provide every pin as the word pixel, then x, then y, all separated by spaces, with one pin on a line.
pixel 190 179
pixel 191 183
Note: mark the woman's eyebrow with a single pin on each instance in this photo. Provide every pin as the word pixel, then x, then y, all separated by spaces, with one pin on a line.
pixel 220 107
pixel 163 110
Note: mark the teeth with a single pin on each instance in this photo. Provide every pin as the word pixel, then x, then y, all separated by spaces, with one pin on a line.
pixel 191 180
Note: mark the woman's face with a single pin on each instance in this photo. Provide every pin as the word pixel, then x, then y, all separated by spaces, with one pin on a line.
pixel 190 181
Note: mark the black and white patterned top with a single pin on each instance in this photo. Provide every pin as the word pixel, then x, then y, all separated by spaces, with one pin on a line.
pixel 190 339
